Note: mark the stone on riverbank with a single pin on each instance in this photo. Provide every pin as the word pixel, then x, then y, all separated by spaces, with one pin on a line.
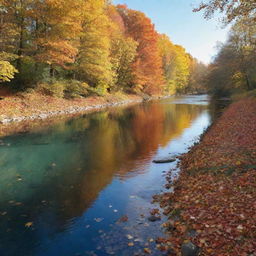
pixel 164 160
pixel 154 218
pixel 189 249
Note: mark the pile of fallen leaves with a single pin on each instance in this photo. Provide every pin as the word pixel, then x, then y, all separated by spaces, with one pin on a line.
pixel 214 200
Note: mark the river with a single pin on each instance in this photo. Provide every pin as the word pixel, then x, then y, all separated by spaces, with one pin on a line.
pixel 84 186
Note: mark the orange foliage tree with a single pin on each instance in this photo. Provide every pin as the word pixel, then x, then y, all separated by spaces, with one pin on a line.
pixel 147 67
pixel 58 26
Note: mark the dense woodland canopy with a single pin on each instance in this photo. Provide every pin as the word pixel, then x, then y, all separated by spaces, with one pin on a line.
pixel 76 48
pixel 234 68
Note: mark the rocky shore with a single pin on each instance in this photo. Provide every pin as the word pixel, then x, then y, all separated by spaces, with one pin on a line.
pixel 25 107
pixel 68 111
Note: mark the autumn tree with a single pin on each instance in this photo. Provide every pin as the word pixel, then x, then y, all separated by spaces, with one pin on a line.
pixel 233 69
pixel 123 51
pixel 8 28
pixel 232 9
pixel 147 67
pixel 176 65
pixel 198 77
pixel 93 62
pixel 56 30
pixel 243 40
pixel 7 71
pixel 15 22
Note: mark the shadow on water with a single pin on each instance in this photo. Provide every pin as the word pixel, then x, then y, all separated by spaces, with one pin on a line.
pixel 217 106
pixel 64 187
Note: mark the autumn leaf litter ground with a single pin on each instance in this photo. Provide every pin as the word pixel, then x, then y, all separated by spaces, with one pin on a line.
pixel 213 205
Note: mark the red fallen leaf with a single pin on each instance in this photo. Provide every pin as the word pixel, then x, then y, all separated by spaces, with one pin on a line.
pixel 154 211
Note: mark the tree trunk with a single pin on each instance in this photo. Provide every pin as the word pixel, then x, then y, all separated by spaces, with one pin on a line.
pixel 52 71
pixel 21 45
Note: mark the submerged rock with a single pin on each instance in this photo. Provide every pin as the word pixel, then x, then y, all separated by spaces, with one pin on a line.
pixel 164 160
pixel 189 249
pixel 154 218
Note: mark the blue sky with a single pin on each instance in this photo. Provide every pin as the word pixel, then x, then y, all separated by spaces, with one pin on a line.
pixel 176 19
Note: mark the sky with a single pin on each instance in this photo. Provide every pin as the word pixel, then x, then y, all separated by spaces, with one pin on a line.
pixel 184 27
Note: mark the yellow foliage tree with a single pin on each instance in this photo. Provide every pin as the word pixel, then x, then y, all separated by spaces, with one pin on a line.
pixel 93 63
pixel 176 65
pixel 7 71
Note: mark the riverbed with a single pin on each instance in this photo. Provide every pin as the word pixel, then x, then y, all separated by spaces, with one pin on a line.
pixel 84 186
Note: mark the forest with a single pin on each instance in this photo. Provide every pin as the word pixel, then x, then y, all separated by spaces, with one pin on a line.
pixel 75 49
pixel 71 49
pixel 233 70
pixel 115 140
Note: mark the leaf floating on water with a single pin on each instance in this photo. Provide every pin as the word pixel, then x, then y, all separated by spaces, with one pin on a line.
pixel 123 219
pixel 129 237
pixel 131 244
pixel 147 250
pixel 98 219
pixel 29 224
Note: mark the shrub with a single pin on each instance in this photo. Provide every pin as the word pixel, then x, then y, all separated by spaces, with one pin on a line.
pixel 7 71
pixel 136 89
pixel 76 89
pixel 101 89
pixel 55 89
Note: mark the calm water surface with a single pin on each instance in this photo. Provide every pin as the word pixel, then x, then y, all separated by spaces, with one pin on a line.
pixel 64 188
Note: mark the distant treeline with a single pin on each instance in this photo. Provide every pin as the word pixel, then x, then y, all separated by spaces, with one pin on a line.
pixel 75 48
pixel 233 70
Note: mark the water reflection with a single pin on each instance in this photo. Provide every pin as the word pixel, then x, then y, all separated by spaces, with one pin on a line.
pixel 52 177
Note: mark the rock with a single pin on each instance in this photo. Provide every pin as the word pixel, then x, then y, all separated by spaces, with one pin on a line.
pixel 189 249
pixel 154 218
pixel 164 160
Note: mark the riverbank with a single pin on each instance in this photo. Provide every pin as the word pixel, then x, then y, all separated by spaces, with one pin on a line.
pixel 212 209
pixel 34 106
